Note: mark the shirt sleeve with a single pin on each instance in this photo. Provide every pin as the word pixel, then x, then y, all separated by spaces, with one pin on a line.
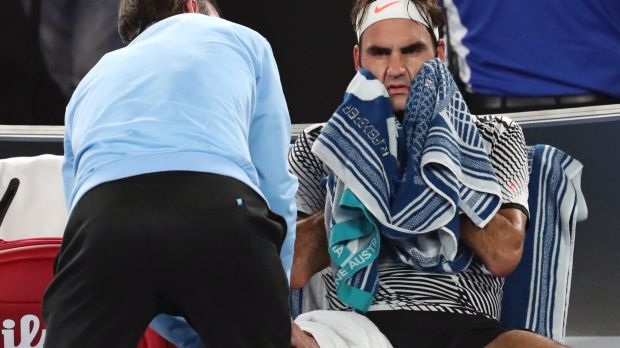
pixel 309 170
pixel 269 139
pixel 68 169
pixel 176 330
pixel 505 143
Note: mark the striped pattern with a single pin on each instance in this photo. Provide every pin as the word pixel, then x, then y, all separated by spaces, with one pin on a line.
pixel 403 288
pixel 442 165
pixel 446 155
pixel 310 197
pixel 507 151
pixel 400 287
pixel 537 292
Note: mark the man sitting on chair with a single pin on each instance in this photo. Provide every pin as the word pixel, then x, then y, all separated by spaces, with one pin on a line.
pixel 395 40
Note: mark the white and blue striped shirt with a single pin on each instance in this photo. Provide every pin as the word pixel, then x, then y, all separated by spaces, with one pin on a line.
pixel 472 291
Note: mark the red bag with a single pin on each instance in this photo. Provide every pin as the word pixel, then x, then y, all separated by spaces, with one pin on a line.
pixel 26 268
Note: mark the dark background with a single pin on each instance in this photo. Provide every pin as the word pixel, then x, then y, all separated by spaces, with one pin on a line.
pixel 49 45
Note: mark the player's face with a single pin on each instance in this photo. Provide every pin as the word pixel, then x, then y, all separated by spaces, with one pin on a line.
pixel 394 50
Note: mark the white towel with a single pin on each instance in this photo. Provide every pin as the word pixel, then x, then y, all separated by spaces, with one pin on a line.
pixel 338 329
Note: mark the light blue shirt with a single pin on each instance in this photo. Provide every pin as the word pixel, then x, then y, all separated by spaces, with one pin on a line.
pixel 191 93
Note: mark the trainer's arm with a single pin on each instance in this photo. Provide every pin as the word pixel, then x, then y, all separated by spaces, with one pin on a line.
pixel 269 139
pixel 68 163
pixel 500 243
pixel 177 331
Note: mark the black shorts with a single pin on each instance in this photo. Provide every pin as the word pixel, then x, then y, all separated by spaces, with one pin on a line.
pixel 198 245
pixel 419 329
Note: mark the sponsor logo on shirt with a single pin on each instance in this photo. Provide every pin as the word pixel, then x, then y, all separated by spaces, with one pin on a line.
pixel 512 186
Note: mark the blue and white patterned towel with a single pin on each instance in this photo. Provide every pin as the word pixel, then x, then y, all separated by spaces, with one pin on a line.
pixel 406 183
pixel 536 294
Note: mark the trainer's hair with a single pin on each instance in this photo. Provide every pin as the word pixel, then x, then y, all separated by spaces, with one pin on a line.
pixel 134 16
pixel 435 19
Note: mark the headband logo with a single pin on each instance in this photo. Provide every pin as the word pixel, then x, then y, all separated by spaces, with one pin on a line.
pixel 378 8
pixel 397 9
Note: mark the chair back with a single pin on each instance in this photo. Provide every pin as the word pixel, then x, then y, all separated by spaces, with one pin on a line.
pixel 536 294
pixel 32 201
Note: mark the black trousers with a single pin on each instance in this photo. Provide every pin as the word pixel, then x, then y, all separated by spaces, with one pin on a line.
pixel 199 245
pixel 408 329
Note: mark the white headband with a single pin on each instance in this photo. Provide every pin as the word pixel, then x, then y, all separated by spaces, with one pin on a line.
pixel 387 9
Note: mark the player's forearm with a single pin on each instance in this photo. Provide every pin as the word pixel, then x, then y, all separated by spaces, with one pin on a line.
pixel 311 255
pixel 500 243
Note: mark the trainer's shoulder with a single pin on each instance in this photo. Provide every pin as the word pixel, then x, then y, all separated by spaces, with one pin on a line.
pixel 243 31
pixel 208 24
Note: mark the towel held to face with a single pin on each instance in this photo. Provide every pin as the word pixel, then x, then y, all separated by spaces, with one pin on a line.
pixel 402 186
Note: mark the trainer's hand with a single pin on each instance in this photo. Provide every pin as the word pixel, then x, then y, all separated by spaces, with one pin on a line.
pixel 301 339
